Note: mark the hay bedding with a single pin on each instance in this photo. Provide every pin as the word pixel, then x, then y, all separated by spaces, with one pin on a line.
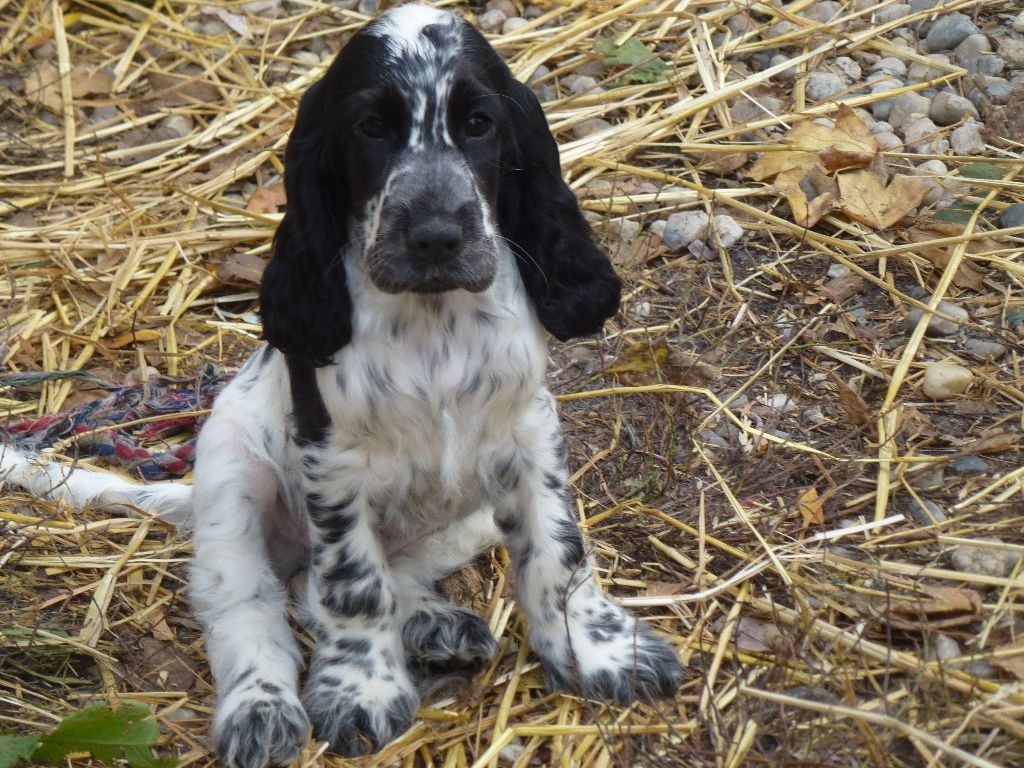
pixel 750 437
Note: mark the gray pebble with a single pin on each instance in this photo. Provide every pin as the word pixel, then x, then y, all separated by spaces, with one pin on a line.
pixel 787 74
pixel 893 12
pixel 684 228
pixel 937 326
pixel 103 113
pixel 881 127
pixel 591 126
pixel 505 6
pixel 942 647
pixel 778 30
pixel 890 65
pixel 713 438
pixel 919 72
pixel 984 350
pixel 905 107
pixel 307 57
pixel 741 23
pixel 889 141
pixel 967 139
pixel 744 110
pixel 177 125
pixel 823 11
pixel 578 84
pixel 368 7
pixel 975 55
pixel 916 6
pixel 970 465
pixel 513 24
pixel 929 514
pixel 948 108
pixel 1013 216
pixel 492 20
pixel 848 68
pixel 948 31
pixel 924 137
pixel 1017 25
pixel 928 480
pixel 726 231
pixel 1012 51
pixel 822 86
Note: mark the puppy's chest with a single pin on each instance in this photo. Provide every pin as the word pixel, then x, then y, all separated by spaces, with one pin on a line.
pixel 427 411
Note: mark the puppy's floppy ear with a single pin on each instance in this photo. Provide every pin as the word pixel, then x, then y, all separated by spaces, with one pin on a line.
pixel 304 298
pixel 570 280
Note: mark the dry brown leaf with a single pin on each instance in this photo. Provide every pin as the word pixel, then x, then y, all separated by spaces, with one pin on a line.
pixel 658 363
pixel 43 88
pixel 241 267
pixel 133 337
pixel 947 607
pixel 810 192
pixel 841 288
pixel 657 588
pixel 849 144
pixel 989 444
pixel 1012 664
pixel 163 663
pixel 811 507
pixel 754 636
pixel 267 199
pixel 857 411
pixel 968 274
pixel 721 165
pixel 863 198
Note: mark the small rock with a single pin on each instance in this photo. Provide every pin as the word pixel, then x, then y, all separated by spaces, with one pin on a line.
pixel 981 668
pixel 921 73
pixel 967 140
pixel 823 11
pixel 589 127
pixel 906 106
pixel 578 84
pixel 713 438
pixel 948 31
pixel 657 228
pixel 929 480
pixel 838 270
pixel 948 108
pixel 787 74
pixel 821 86
pixel 726 231
pixel 368 7
pixel 848 68
pixel 177 125
pixel 881 126
pixel 492 20
pixel 942 647
pixel 929 514
pixel 924 137
pixel 938 326
pixel 984 350
pixel 983 561
pixel 626 229
pixel 744 110
pixel 1013 216
pixel 890 65
pixel 893 12
pixel 307 57
pixel 881 83
pixel 813 415
pixel 889 141
pixel 513 24
pixel 505 6
pixel 944 381
pixel 916 6
pixel 683 228
pixel 970 465
pixel 778 30
pixel 741 23
pixel 975 55
pixel 1017 25
pixel 105 112
pixel 1012 52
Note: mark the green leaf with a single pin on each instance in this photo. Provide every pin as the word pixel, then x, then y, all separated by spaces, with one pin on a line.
pixel 982 171
pixel 14 748
pixel 632 53
pixel 107 734
pixel 1015 318
pixel 957 213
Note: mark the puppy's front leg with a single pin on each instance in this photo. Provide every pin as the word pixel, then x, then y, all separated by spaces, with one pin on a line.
pixel 586 642
pixel 359 695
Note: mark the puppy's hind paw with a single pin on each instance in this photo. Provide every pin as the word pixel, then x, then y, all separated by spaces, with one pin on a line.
pixel 448 639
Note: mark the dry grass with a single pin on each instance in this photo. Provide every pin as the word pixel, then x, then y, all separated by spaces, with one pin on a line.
pixel 807 643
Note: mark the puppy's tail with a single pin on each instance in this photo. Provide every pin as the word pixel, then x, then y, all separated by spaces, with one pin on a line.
pixel 82 486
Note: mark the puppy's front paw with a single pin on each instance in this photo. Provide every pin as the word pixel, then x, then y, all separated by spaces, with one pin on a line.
pixel 446 638
pixel 262 725
pixel 358 708
pixel 608 655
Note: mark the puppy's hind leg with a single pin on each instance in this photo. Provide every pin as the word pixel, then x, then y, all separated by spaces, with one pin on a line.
pixel 253 655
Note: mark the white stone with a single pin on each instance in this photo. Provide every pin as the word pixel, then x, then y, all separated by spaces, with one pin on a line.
pixel 1018 23
pixel 492 20
pixel 513 24
pixel 848 68
pixel 727 231
pixel 683 228
pixel 967 140
pixel 944 381
pixel 822 86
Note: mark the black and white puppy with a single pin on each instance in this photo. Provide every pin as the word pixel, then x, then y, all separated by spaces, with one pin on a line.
pixel 397 423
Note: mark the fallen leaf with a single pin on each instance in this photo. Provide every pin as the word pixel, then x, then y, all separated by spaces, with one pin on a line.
pixel 968 273
pixel 849 144
pixel 863 198
pixel 267 199
pixel 133 337
pixel 811 507
pixel 947 607
pixel 721 165
pixel 754 636
pixel 163 662
pixel 663 588
pixel 857 411
pixel 989 444
pixel 1012 664
pixel 844 287
pixel 241 267
pixel 233 21
pixel 810 192
pixel 43 86
pixel 658 363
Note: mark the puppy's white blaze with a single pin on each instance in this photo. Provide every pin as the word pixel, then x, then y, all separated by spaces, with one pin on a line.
pixel 403 26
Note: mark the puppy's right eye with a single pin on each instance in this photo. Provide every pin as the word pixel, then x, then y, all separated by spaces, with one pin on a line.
pixel 373 128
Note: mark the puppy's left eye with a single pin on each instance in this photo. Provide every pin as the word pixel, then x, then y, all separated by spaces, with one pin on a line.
pixel 478 124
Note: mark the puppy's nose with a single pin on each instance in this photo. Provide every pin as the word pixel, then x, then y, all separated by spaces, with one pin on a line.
pixel 435 240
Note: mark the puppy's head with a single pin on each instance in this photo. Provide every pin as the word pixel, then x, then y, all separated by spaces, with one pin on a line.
pixel 419 148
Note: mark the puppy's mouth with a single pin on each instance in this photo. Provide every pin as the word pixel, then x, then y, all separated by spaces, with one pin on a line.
pixel 403 270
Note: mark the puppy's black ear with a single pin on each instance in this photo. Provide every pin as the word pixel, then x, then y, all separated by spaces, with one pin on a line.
pixel 570 280
pixel 304 299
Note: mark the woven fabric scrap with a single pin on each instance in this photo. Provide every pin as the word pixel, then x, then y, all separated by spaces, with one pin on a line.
pixel 108 428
